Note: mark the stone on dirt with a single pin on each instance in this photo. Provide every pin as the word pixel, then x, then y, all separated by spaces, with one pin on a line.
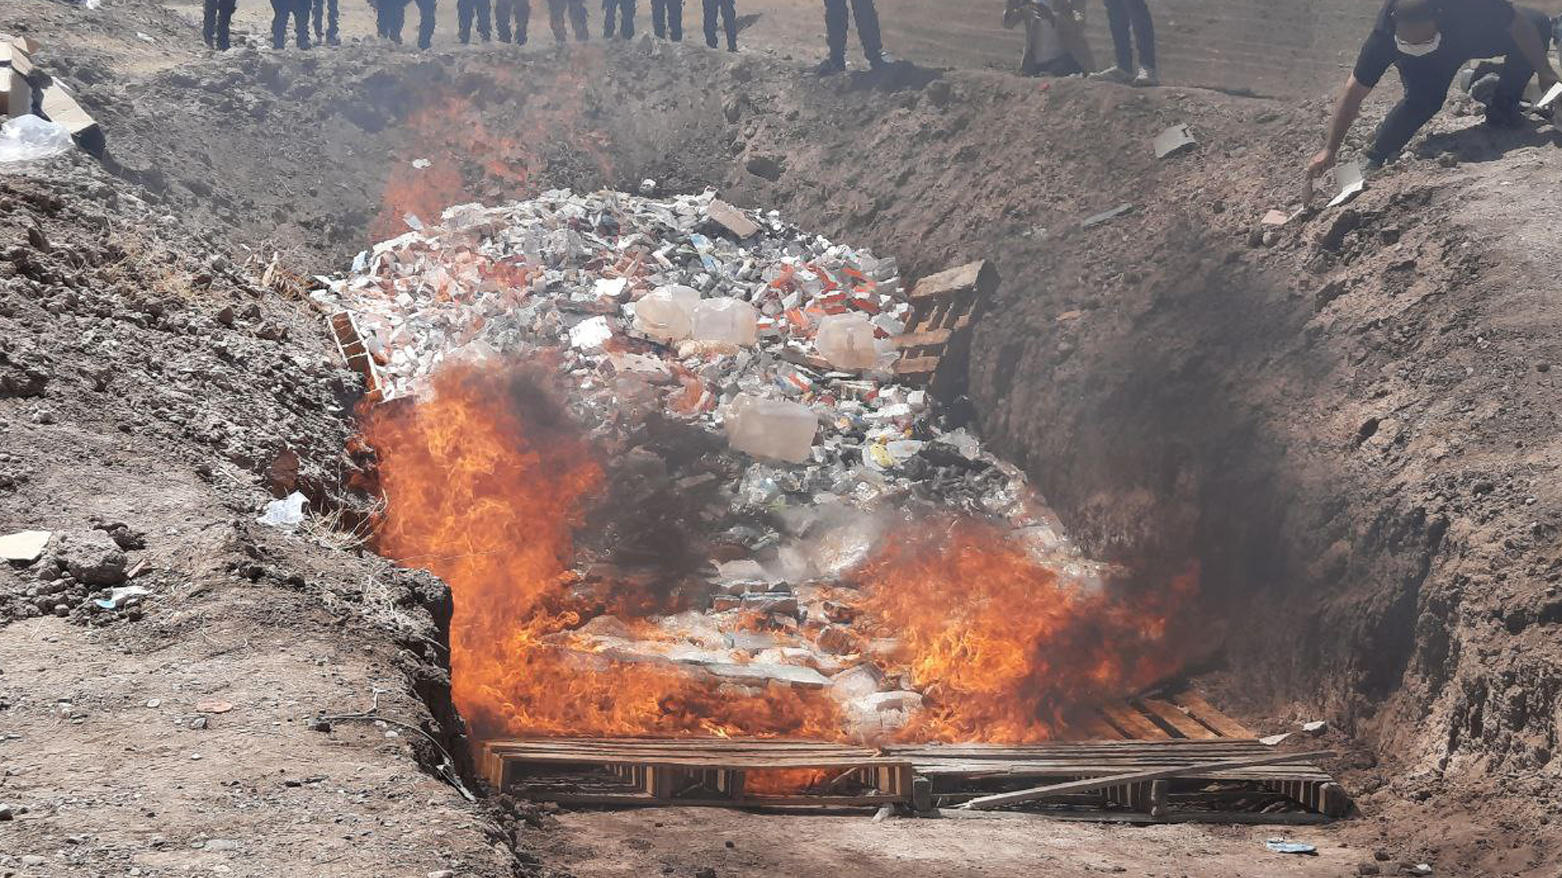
pixel 92 557
pixel 24 546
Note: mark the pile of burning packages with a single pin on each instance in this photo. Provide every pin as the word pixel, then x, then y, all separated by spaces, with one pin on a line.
pixel 740 324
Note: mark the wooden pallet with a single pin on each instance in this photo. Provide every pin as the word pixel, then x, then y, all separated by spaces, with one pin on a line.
pixel 349 341
pixel 1178 732
pixel 943 307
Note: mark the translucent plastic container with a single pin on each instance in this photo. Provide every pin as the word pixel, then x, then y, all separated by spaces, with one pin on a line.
pixel 771 429
pixel 667 313
pixel 730 320
pixel 846 340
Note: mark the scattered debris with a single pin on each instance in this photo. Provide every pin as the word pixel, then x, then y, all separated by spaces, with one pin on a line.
pixel 1173 140
pixel 1550 97
pixel 30 138
pixel 1275 218
pixel 1317 727
pixel 121 597
pixel 286 513
pixel 1106 216
pixel 1274 740
pixel 1352 181
pixel 1281 846
pixel 24 546
pixel 213 706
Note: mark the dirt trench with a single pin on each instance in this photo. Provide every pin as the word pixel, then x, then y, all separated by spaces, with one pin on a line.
pixel 1335 419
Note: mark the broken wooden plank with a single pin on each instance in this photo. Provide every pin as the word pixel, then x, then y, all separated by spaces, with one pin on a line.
pixel 1206 713
pixel 979 278
pixel 1172 715
pixel 1096 783
pixel 1132 723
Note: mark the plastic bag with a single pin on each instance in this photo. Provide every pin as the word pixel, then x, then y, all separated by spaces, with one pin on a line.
pixel 285 513
pixel 29 138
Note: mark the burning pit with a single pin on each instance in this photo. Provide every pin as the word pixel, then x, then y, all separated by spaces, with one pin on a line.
pixel 683 480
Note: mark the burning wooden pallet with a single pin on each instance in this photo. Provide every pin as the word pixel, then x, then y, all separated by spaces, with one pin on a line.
pixel 1197 765
pixel 943 306
pixel 350 342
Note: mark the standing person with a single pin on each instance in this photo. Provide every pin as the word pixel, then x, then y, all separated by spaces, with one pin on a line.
pixel 1429 40
pixel 466 10
pixel 522 12
pixel 728 11
pixel 388 18
pixel 667 19
pixel 836 22
pixel 281 11
pixel 214 27
pixel 610 8
pixel 426 10
pixel 327 18
pixel 576 10
pixel 1131 25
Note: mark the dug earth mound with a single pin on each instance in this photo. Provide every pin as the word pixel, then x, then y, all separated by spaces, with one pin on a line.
pixel 1346 420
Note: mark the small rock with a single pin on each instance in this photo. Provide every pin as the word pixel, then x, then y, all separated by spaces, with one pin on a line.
pixel 5 812
pixel 706 872
pixel 1381 856
pixel 221 844
pixel 1317 727
pixel 1419 869
pixel 766 167
pixel 442 873
pixel 1542 367
pixel 1368 869
pixel 34 860
pixel 92 557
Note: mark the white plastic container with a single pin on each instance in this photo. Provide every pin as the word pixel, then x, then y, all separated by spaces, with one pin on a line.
pixel 730 320
pixel 771 429
pixel 847 341
pixel 667 313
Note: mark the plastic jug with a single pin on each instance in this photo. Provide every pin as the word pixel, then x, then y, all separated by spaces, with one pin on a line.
pixel 667 313
pixel 730 320
pixel 771 429
pixel 847 341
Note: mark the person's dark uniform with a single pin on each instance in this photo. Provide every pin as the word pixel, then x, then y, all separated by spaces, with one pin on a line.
pixel 1469 29
pixel 466 10
pixel 393 15
pixel 327 21
pixel 281 11
pixel 610 10
pixel 575 10
pixel 836 22
pixel 214 28
pixel 728 11
pixel 521 11
pixel 667 19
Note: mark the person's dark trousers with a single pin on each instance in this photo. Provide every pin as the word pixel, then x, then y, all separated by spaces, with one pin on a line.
pixel 281 11
pixel 836 20
pixel 466 10
pixel 1131 26
pixel 327 21
pixel 1427 80
pixel 576 11
pixel 391 15
pixel 729 15
pixel 667 18
pixel 626 27
pixel 426 10
pixel 214 27
pixel 521 10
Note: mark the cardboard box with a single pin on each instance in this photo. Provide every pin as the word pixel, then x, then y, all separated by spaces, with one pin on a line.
pixel 16 92
pixel 59 106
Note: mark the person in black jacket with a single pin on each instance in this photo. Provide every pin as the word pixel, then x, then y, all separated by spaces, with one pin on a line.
pixel 728 11
pixel 281 11
pixel 216 20
pixel 610 10
pixel 466 10
pixel 1429 41
pixel 393 15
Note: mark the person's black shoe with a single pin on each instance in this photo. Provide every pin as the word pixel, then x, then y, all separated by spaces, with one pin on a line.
pixel 830 67
pixel 882 61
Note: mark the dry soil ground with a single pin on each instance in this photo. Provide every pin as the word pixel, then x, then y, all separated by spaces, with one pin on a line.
pixel 1350 423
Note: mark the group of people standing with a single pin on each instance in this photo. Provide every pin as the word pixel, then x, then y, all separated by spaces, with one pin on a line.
pixel 511 18
pixel 1055 43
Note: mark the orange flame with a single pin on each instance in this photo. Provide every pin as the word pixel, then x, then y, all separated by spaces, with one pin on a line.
pixel 485 482
pixel 1001 649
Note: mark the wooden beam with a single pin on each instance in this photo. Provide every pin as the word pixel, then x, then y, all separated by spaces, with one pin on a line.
pixel 1096 783
pixel 1206 713
pixel 1173 716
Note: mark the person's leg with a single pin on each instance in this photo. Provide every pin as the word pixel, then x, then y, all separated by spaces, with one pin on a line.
pixel 523 20
pixel 502 12
pixel 398 19
pixel 1516 73
pixel 1426 87
pixel 836 20
pixel 556 19
pixel 279 13
pixel 484 14
pixel 581 21
pixel 225 10
pixel 675 20
pixel 710 23
pixel 426 10
pixel 729 20
pixel 659 18
pixel 209 23
pixel 1144 32
pixel 1122 39
pixel 867 16
pixel 464 21
pixel 626 27
pixel 301 22
pixel 333 23
pixel 609 18
pixel 318 8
